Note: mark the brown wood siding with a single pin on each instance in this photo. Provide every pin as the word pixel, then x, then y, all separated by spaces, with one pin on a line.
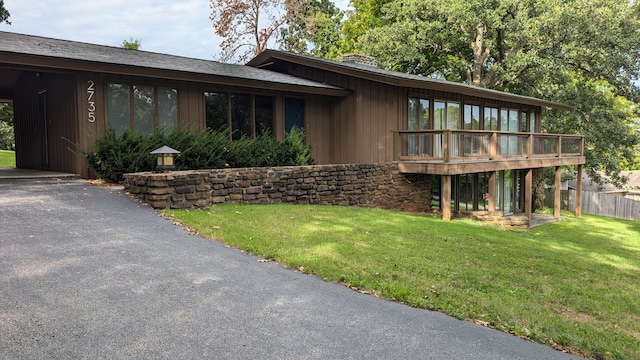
pixel 191 109
pixel 55 139
pixel 90 131
pixel 364 123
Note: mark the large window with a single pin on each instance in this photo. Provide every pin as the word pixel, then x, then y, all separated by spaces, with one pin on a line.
pixel 471 117
pixel 490 118
pixel 242 114
pixel 144 108
pixel 446 115
pixel 419 144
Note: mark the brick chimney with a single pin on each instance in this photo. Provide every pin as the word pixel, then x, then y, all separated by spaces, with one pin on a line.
pixel 360 59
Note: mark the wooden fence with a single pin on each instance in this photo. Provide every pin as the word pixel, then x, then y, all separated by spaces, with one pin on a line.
pixel 598 204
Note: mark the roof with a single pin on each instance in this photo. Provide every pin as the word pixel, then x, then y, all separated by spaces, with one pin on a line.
pixel 72 55
pixel 269 57
pixel 632 184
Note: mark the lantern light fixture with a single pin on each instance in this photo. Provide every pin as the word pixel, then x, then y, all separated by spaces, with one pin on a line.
pixel 165 158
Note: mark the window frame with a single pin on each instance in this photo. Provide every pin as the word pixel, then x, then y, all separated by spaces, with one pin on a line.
pixel 131 87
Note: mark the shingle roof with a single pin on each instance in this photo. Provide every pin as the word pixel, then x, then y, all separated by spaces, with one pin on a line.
pixel 91 53
pixel 400 79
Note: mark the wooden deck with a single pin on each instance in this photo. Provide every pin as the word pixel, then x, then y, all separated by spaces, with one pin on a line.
pixel 453 152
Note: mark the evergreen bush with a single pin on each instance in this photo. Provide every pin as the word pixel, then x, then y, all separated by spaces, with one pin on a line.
pixel 112 156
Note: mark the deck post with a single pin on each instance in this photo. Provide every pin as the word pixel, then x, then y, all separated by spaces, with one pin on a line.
pixel 579 192
pixel 528 193
pixel 446 146
pixel 445 201
pixel 556 193
pixel 492 191
pixel 493 146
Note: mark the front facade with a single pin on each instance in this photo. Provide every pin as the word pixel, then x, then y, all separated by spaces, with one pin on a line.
pixel 477 147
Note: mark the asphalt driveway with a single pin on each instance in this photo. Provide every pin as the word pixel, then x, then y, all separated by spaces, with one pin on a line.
pixel 88 273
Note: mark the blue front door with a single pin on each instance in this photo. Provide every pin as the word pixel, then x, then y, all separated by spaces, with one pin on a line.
pixel 293 114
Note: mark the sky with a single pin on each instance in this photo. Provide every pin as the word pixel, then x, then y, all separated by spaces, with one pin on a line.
pixel 176 27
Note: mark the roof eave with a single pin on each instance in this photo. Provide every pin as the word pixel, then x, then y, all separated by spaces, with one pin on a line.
pixel 267 56
pixel 45 62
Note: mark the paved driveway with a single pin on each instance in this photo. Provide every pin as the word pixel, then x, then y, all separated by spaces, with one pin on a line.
pixel 88 273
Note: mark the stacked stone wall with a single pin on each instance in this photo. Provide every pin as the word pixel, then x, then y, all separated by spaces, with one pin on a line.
pixel 369 185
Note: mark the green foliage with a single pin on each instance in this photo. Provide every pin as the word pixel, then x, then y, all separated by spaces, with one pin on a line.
pixel 607 122
pixel 7 140
pixel 131 44
pixel 313 27
pixel 112 155
pixel 572 283
pixel 4 13
pixel 580 52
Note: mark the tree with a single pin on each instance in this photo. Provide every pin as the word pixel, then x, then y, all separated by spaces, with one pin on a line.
pixel 313 27
pixel 7 141
pixel 246 26
pixel 583 52
pixel 366 15
pixel 131 44
pixel 4 13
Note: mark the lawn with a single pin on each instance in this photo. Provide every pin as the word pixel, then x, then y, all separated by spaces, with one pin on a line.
pixel 7 159
pixel 573 284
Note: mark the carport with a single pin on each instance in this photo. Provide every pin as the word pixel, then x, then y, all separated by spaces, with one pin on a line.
pixel 44 115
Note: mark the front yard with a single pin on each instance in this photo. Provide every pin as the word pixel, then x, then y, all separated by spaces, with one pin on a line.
pixel 573 285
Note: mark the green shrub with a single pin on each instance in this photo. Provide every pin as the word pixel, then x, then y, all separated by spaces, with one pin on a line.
pixel 7 141
pixel 112 156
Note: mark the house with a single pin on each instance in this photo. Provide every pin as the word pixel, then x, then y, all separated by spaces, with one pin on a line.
pixel 476 146
pixel 631 190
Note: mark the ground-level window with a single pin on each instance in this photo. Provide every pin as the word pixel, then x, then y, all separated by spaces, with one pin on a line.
pixel 145 108
pixel 469 192
pixel 243 114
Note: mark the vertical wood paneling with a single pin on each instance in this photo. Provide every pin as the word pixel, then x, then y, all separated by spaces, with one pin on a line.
pixel 59 136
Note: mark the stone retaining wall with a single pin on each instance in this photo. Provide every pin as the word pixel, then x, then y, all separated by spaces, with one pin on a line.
pixel 370 185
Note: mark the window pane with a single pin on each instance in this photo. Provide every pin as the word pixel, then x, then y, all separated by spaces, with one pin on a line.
pixel 471 117
pixel 490 118
pixel 167 108
pixel 532 122
pixel 118 107
pixel 424 114
pixel 523 122
pixel 513 120
pixel 439 115
pixel 240 116
pixel 453 116
pixel 504 120
pixel 264 114
pixel 216 109
pixel 143 109
pixel 413 114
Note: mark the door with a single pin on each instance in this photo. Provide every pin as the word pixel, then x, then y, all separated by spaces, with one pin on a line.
pixel 293 114
pixel 46 124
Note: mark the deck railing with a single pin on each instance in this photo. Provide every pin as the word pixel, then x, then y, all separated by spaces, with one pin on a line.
pixel 473 145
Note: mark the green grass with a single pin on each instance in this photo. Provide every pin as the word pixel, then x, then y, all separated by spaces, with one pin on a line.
pixel 7 159
pixel 573 284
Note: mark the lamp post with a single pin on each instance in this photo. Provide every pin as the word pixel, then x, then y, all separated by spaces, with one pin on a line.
pixel 165 158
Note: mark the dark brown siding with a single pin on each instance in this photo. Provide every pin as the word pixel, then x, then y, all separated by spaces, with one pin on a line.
pixel 191 106
pixel 45 118
pixel 361 127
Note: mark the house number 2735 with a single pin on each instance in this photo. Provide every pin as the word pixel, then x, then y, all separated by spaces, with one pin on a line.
pixel 91 104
